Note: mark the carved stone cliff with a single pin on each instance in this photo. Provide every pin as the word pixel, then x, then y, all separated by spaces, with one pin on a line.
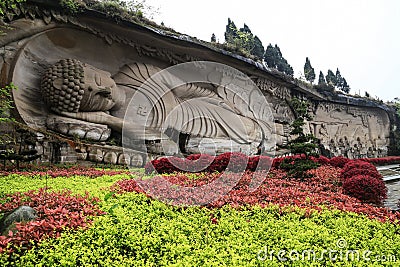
pixel 77 75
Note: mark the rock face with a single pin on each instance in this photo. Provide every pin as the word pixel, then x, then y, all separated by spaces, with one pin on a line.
pixel 87 78
pixel 20 214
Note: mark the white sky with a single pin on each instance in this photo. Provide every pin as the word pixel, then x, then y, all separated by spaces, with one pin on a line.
pixel 360 37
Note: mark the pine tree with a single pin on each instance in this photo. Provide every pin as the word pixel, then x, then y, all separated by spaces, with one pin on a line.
pixel 213 38
pixel 271 57
pixel 345 86
pixel 309 72
pixel 331 78
pixel 339 79
pixel 258 49
pixel 321 78
pixel 274 59
pixel 245 29
pixel 303 146
pixel 231 32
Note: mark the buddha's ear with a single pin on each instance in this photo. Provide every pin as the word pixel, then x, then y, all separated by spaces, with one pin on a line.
pixel 57 83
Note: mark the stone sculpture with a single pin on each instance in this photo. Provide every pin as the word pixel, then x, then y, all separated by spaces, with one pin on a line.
pixel 80 91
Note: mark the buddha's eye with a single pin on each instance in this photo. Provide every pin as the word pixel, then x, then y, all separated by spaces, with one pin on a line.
pixel 97 79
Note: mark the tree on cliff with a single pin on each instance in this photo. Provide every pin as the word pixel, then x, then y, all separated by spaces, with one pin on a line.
pixel 321 79
pixel 274 59
pixel 213 38
pixel 341 82
pixel 339 79
pixel 243 39
pixel 258 48
pixel 303 146
pixel 231 32
pixel 345 87
pixel 309 72
pixel 330 78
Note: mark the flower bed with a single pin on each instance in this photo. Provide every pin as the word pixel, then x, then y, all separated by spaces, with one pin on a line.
pixel 136 229
pixel 64 172
pixel 57 212
pixel 384 160
pixel 322 191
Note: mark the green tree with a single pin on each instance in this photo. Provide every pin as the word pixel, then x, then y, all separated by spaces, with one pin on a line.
pixel 258 48
pixel 321 79
pixel 345 87
pixel 231 32
pixel 330 78
pixel 245 29
pixel 309 72
pixel 303 146
pixel 274 59
pixel 339 79
pixel 271 57
pixel 213 38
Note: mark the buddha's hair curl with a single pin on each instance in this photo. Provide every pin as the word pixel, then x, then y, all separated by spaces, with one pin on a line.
pixel 68 97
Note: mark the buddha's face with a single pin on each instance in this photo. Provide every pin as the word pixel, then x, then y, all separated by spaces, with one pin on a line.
pixel 100 91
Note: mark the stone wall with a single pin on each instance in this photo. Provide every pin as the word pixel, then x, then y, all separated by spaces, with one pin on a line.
pixel 40 34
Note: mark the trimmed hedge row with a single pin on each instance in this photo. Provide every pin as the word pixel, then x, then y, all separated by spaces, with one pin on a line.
pixel 239 162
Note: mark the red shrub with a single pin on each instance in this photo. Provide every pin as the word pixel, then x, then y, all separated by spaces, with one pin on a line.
pixel 164 165
pixel 277 162
pixel 357 164
pixel 259 163
pixel 194 157
pixel 384 160
pixel 359 167
pixel 231 161
pixel 338 162
pixel 322 160
pixel 199 162
pixel 64 171
pixel 56 213
pixel 358 171
pixel 366 188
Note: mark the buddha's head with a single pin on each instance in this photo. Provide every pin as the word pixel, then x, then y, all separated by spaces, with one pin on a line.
pixel 72 86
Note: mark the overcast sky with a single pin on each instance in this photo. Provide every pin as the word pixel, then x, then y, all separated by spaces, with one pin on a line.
pixel 360 37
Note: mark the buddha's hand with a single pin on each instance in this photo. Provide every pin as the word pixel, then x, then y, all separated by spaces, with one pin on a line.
pixel 94 117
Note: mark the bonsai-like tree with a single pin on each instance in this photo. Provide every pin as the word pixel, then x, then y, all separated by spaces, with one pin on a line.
pixel 303 146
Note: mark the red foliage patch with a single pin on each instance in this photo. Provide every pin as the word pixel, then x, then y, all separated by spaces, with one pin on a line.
pixel 65 172
pixel 56 212
pixel 366 188
pixel 322 189
pixel 230 161
pixel 384 160
pixel 338 162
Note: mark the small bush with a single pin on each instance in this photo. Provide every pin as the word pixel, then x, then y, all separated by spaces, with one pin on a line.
pixel 359 167
pixel 259 163
pixel 322 160
pixel 199 162
pixel 230 161
pixel 357 164
pixel 338 162
pixel 365 188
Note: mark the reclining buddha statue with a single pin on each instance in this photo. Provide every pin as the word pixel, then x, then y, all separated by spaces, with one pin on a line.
pixel 145 108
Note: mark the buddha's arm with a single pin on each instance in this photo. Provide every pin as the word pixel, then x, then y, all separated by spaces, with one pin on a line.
pixel 117 124
pixel 97 117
